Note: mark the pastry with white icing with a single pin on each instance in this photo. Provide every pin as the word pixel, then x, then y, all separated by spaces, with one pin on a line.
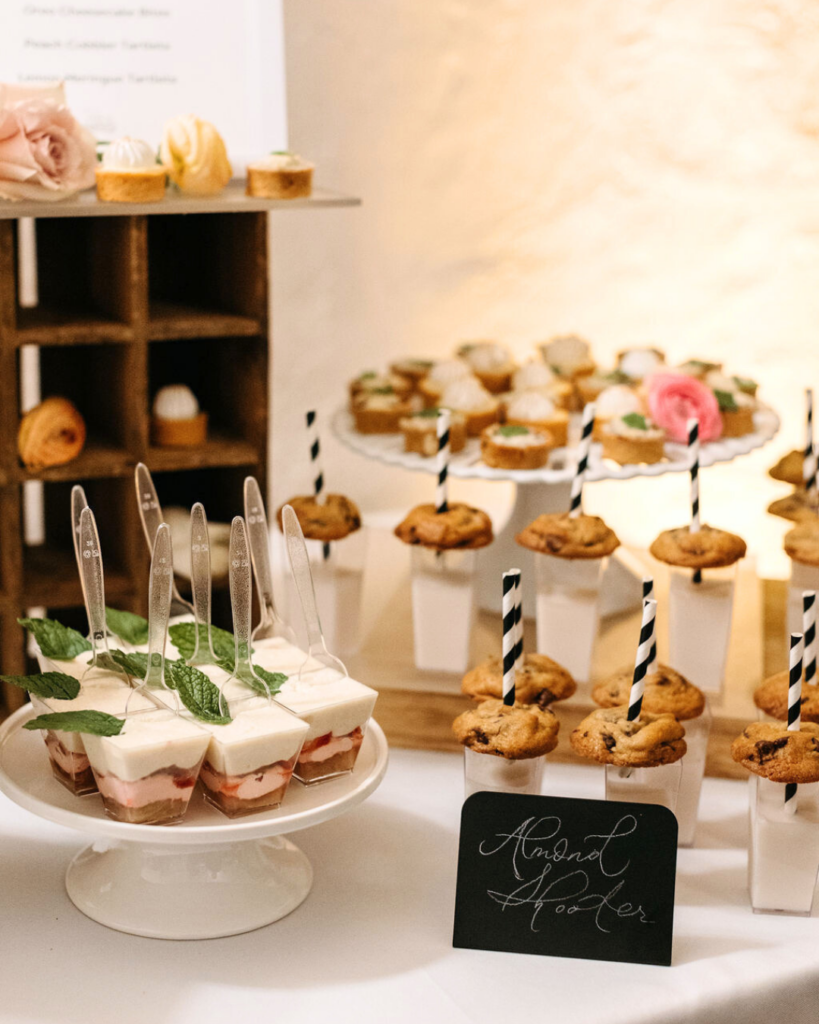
pixel 129 173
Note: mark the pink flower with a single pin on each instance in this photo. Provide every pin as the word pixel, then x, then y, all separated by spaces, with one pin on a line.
pixel 45 153
pixel 673 399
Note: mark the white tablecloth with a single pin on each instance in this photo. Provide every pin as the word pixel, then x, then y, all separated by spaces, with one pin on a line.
pixel 373 941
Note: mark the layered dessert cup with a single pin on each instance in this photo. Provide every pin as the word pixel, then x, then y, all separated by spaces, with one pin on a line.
pixel 336 710
pixel 570 555
pixel 444 561
pixel 700 610
pixel 250 761
pixel 802 547
pixel 146 774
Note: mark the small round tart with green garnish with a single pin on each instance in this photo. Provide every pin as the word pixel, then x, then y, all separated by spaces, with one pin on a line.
pixel 414 370
pixel 381 410
pixel 420 432
pixel 511 446
pixel 737 411
pixel 633 438
pixel 369 382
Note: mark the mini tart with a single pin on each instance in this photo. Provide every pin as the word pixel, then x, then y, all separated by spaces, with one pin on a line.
pixel 382 412
pixel 768 749
pixel 625 444
pixel 421 432
pixel 333 519
pixel 666 693
pixel 789 468
pixel 802 543
pixel 522 410
pixel 709 548
pixel 797 507
pixel 491 364
pixel 614 402
pixel 516 731
pixel 559 534
pixel 541 681
pixel 440 375
pixel 638 363
pixel 280 176
pixel 772 698
pixel 379 384
pixel 737 412
pixel 139 185
pixel 699 368
pixel 515 447
pixel 469 397
pixel 590 388
pixel 460 527
pixel 607 736
pixel 568 355
pixel 412 370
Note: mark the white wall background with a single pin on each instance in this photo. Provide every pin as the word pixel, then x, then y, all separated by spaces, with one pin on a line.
pixel 636 170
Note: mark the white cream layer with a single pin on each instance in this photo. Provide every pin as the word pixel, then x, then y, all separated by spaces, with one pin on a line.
pixel 148 743
pixel 260 734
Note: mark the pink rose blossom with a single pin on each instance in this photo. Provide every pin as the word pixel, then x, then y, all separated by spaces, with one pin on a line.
pixel 673 399
pixel 45 153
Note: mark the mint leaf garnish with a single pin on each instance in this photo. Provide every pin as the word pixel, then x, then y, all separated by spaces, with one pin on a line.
pixel 388 389
pixel 96 723
pixel 424 364
pixel 617 377
pixel 183 637
pixel 56 640
pixel 274 680
pixel 513 431
pixel 54 685
pixel 745 384
pixel 635 420
pixel 427 414
pixel 134 664
pixel 133 629
pixel 199 695
pixel 727 402
pixel 368 375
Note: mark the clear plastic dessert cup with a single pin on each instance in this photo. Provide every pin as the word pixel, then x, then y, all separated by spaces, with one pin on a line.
pixel 66 750
pixel 697 731
pixel 494 774
pixel 249 763
pixel 699 624
pixel 803 577
pixel 660 785
pixel 443 608
pixel 336 710
pixel 783 858
pixel 568 610
pixel 146 774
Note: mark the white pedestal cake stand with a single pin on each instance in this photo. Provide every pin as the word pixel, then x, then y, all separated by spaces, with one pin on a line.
pixel 547 490
pixel 204 878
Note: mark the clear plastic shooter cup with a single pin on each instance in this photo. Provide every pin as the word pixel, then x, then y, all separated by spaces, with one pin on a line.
pixel 443 607
pixel 699 624
pixel 495 774
pixel 803 577
pixel 783 857
pixel 568 610
pixel 697 732
pixel 658 785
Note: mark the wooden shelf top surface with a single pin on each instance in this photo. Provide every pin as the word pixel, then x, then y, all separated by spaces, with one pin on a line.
pixel 231 200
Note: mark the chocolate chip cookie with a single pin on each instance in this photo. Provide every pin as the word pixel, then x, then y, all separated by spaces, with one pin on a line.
pixel 461 526
pixel 514 731
pixel 559 534
pixel 666 693
pixel 789 468
pixel 708 548
pixel 802 543
pixel 770 750
pixel 541 681
pixel 607 736
pixel 772 698
pixel 332 519
pixel 797 507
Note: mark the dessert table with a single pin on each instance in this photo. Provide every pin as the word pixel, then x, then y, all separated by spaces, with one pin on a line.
pixel 372 942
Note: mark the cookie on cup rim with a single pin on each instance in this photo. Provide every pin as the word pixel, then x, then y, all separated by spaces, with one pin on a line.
pixel 540 681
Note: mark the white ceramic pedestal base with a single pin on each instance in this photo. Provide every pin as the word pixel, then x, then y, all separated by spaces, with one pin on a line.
pixel 194 893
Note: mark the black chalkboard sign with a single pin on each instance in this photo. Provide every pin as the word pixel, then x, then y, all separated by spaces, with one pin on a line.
pixel 559 877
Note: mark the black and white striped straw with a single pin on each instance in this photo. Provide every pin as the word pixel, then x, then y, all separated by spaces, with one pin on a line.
pixel 648 595
pixel 576 503
pixel 794 706
pixel 694 469
pixel 809 459
pixel 509 635
pixel 315 463
pixel 641 662
pixel 519 622
pixel 809 629
pixel 441 502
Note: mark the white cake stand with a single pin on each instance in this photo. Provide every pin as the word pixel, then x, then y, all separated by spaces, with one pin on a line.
pixel 547 490
pixel 202 879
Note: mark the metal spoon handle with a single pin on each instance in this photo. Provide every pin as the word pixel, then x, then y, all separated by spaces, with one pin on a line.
pixel 159 605
pixel 201 585
pixel 303 576
pixel 241 594
pixel 92 582
pixel 150 515
pixel 259 538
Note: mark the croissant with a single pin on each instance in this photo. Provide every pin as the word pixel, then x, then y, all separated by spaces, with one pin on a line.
pixel 50 434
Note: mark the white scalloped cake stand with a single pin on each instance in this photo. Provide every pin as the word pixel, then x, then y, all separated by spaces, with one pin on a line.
pixel 202 879
pixel 547 490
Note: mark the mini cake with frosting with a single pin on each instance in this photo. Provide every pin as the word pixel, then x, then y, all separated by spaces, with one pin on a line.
pixel 381 410
pixel 638 363
pixel 129 173
pixel 372 383
pixel 177 420
pixel 568 355
pixel 440 375
pixel 515 447
pixel 737 411
pixel 470 397
pixel 531 375
pixel 699 368
pixel 490 362
pixel 412 370
pixel 590 387
pixel 421 432
pixel 281 175
pixel 632 438
pixel 537 411
pixel 613 402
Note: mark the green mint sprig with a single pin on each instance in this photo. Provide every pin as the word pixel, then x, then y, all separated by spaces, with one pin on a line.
pixel 199 695
pixel 511 430
pixel 48 685
pixel 94 723
pixel 726 400
pixel 133 629
pixel 56 640
pixel 635 420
